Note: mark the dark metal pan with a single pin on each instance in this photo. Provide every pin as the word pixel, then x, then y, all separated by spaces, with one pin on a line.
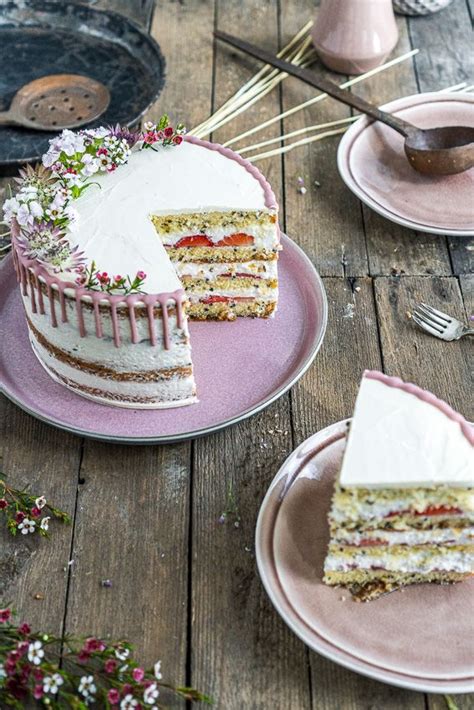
pixel 39 37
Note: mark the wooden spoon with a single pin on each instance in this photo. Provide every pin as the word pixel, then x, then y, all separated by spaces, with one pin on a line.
pixel 57 101
pixel 431 151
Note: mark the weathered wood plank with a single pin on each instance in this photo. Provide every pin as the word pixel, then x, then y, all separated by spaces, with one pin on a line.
pixel 389 245
pixel 445 60
pixel 143 548
pixel 241 650
pixel 336 687
pixel 132 529
pixel 34 570
pixel 467 289
pixel 327 392
pixel 416 356
pixel 327 220
pixel 461 702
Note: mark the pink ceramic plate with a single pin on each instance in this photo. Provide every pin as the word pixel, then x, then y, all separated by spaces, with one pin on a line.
pixel 240 367
pixel 372 163
pixel 419 638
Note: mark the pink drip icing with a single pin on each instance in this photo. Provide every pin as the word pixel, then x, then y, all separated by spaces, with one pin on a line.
pixel 115 324
pixel 466 428
pixel 132 318
pixel 164 316
pixel 52 307
pixel 97 319
pixel 32 292
pixel 80 316
pixel 62 300
pixel 40 294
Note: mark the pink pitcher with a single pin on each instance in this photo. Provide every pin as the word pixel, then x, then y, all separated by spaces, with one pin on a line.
pixel 354 36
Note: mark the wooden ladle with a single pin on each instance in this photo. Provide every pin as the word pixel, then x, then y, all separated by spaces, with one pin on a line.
pixel 431 151
pixel 57 101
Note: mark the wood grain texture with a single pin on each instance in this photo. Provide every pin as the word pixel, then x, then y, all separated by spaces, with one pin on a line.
pixel 327 220
pixel 255 659
pixel 415 356
pixel 132 529
pixel 34 570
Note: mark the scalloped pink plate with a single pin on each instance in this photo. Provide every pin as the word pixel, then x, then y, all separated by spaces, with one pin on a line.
pixel 240 367
pixel 372 162
pixel 420 637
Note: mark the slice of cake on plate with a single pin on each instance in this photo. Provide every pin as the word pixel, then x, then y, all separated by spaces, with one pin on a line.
pixel 403 506
pixel 119 237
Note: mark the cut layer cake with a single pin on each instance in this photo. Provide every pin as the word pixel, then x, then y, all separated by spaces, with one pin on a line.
pixel 119 238
pixel 403 506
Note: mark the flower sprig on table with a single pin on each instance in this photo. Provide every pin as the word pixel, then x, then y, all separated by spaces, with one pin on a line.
pixel 43 208
pixel 96 280
pixel 77 673
pixel 26 513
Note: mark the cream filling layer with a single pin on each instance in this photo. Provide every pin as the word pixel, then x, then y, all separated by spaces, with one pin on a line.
pixel 463 536
pixel 365 511
pixel 253 293
pixel 418 562
pixel 263 269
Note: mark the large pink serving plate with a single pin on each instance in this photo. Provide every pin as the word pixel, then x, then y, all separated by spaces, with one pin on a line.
pixel 372 163
pixel 419 638
pixel 240 367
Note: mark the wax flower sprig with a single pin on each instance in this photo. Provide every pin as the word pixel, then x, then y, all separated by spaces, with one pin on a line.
pixel 78 673
pixel 26 513
pixel 43 207
pixel 95 280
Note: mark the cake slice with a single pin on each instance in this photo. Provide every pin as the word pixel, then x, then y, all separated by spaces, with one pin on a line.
pixel 403 505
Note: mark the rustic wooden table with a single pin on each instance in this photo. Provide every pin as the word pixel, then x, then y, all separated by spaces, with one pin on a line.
pixel 185 588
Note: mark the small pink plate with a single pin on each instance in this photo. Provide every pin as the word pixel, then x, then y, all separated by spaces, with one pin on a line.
pixel 372 163
pixel 240 367
pixel 419 638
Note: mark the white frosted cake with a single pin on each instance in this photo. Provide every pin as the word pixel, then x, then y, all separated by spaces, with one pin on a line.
pixel 119 238
pixel 403 506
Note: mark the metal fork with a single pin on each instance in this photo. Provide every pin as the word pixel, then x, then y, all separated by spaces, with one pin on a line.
pixel 439 324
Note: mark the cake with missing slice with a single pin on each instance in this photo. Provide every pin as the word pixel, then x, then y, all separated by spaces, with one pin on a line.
pixel 403 507
pixel 119 238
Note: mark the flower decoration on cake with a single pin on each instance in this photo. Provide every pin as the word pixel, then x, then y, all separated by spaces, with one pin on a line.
pixel 43 208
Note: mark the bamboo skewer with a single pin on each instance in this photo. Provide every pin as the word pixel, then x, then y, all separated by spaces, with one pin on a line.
pixel 259 77
pixel 287 148
pixel 307 129
pixel 321 97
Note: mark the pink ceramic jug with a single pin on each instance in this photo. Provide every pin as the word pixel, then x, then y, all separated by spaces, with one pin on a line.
pixel 354 36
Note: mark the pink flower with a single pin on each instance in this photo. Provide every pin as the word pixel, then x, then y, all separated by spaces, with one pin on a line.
pixel 117 278
pixel 110 665
pixel 102 151
pixel 138 674
pixel 177 140
pixel 160 135
pixel 38 692
pixel 5 615
pixel 19 517
pixel 168 132
pixel 3 503
pixel 92 644
pixel 22 648
pixel 141 275
pixel 38 674
pixel 81 280
pixel 24 629
pixel 83 656
pixel 113 696
pixel 35 512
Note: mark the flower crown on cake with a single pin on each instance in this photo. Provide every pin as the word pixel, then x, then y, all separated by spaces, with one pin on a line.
pixel 43 207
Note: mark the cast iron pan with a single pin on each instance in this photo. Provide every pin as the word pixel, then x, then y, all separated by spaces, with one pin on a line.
pixel 38 37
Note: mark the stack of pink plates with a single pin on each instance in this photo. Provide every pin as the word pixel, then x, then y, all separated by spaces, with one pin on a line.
pixel 372 163
pixel 420 637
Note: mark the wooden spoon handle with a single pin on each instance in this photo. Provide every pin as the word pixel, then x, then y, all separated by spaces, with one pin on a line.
pixel 328 87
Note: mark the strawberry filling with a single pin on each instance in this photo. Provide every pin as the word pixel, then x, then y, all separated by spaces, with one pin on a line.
pixel 371 543
pixel 242 276
pixel 239 239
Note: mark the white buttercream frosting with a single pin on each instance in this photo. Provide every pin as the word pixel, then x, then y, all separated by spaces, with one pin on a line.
pixel 114 227
pixel 399 440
